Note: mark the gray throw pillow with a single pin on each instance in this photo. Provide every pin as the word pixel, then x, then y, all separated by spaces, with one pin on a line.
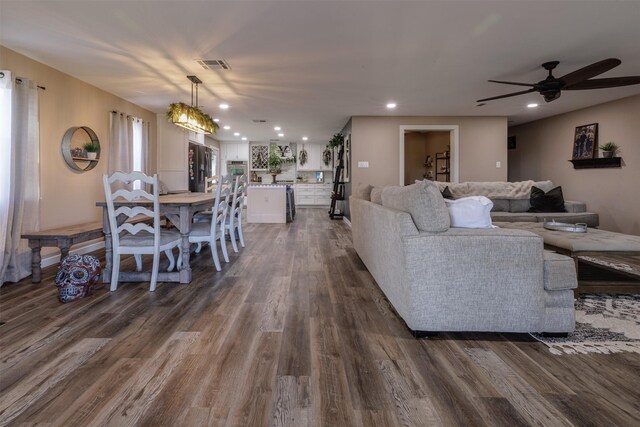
pixel 423 201
pixel 363 191
pixel 376 195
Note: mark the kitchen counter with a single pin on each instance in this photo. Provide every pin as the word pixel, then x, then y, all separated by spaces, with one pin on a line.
pixel 267 203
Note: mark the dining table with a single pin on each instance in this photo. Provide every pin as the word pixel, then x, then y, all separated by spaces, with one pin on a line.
pixel 179 210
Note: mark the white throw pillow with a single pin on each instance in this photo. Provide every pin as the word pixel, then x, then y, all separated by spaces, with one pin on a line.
pixel 470 212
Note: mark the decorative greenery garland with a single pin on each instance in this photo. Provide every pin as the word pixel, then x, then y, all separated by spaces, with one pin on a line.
pixel 177 109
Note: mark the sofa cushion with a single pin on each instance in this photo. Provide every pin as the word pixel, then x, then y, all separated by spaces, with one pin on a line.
pixel 513 216
pixel 423 202
pixel 500 205
pixel 470 212
pixel 363 191
pixel 550 201
pixel 519 205
pixel 376 195
pixel 559 272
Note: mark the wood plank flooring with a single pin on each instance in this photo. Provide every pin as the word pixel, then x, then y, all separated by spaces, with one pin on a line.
pixel 293 332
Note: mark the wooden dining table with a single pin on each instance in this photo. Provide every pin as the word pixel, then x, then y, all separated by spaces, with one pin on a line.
pixel 179 209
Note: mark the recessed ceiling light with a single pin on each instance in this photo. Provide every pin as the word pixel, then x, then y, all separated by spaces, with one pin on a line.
pixel 281 134
pixel 276 128
pixel 216 120
pixel 244 138
pixel 236 134
pixel 226 127
pixel 532 105
pixel 391 105
pixel 304 138
pixel 224 106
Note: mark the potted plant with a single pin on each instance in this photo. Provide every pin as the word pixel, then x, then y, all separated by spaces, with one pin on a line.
pixel 92 149
pixel 337 140
pixel 274 162
pixel 609 149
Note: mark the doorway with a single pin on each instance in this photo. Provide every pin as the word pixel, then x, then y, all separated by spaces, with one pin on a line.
pixel 428 152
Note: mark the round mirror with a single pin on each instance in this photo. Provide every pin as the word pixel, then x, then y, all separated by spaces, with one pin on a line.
pixel 81 148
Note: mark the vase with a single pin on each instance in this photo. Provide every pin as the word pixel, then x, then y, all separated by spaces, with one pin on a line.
pixel 92 156
pixel 607 154
pixel 274 178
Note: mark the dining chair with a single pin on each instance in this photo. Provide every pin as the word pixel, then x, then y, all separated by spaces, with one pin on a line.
pixel 234 216
pixel 139 238
pixel 210 186
pixel 212 231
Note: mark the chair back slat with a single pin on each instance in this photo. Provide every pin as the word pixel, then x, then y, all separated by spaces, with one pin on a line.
pixel 135 228
pixel 211 184
pixel 220 205
pixel 131 195
pixel 127 177
pixel 134 211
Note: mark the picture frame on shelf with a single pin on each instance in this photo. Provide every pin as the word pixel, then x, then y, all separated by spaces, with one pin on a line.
pixel 585 142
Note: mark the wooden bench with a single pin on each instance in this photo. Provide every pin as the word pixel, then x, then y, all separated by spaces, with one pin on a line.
pixel 62 238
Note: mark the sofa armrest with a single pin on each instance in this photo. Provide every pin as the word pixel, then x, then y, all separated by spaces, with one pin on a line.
pixel 464 274
pixel 575 207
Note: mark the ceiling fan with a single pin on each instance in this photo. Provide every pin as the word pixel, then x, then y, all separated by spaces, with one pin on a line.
pixel 551 87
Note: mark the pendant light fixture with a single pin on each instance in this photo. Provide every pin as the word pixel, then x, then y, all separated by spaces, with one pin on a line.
pixel 190 117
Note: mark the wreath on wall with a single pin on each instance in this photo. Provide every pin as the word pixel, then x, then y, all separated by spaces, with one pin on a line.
pixel 303 156
pixel 326 156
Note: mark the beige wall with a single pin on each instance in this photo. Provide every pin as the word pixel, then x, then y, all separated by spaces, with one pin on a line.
pixel 545 146
pixel 69 197
pixel 376 140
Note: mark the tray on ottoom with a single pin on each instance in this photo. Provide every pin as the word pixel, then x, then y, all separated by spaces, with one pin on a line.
pixel 563 226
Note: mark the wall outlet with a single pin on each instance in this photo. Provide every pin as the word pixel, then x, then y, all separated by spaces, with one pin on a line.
pixel 498 164
pixel 363 164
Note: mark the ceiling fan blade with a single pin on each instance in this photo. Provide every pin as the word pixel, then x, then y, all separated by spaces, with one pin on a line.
pixel 605 83
pixel 589 71
pixel 512 83
pixel 507 95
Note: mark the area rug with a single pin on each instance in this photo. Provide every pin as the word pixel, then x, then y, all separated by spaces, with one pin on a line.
pixel 605 324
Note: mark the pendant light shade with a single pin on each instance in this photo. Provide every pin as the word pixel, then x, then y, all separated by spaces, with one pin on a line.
pixel 190 117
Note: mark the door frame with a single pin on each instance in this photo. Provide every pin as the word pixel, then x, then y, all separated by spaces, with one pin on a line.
pixel 454 138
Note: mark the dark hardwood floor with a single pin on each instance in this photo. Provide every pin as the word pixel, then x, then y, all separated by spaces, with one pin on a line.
pixel 294 331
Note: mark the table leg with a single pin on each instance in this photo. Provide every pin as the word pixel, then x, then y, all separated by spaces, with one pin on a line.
pixel 185 228
pixel 64 252
pixel 36 268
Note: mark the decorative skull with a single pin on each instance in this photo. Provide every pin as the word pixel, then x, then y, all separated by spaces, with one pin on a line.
pixel 77 276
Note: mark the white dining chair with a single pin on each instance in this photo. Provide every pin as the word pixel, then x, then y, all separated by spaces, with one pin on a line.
pixel 140 238
pixel 233 223
pixel 210 186
pixel 213 231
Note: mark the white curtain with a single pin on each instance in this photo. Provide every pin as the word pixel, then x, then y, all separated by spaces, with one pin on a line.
pixel 120 144
pixel 19 175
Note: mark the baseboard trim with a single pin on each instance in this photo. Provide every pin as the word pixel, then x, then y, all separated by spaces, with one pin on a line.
pixel 55 259
pixel 346 220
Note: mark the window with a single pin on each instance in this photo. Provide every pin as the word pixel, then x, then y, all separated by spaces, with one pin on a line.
pixel 5 151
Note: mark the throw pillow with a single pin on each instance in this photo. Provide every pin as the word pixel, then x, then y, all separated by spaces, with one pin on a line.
pixel 446 193
pixel 376 195
pixel 551 201
pixel 363 191
pixel 423 202
pixel 470 212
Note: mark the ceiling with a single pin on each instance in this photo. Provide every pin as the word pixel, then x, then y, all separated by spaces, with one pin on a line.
pixel 310 65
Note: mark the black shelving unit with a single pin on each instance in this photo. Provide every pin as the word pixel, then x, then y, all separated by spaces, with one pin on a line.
pixel 443 167
pixel 597 163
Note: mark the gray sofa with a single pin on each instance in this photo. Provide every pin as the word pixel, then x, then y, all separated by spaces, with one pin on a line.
pixel 452 279
pixel 511 202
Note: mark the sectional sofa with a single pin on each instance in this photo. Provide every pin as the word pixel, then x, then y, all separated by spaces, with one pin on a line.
pixel 440 278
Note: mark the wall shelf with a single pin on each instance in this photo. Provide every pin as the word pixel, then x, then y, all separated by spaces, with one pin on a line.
pixel 597 163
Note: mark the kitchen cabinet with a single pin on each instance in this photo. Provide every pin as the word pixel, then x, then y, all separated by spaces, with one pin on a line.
pixel 313 194
pixel 314 158
pixel 234 151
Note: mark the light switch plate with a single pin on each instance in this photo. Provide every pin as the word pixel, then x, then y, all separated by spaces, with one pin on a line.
pixel 498 164
pixel 363 164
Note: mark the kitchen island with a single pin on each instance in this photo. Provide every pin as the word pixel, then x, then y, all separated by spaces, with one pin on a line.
pixel 269 203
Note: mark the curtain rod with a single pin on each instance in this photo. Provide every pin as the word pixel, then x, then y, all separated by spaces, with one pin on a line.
pixel 20 81
pixel 128 115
